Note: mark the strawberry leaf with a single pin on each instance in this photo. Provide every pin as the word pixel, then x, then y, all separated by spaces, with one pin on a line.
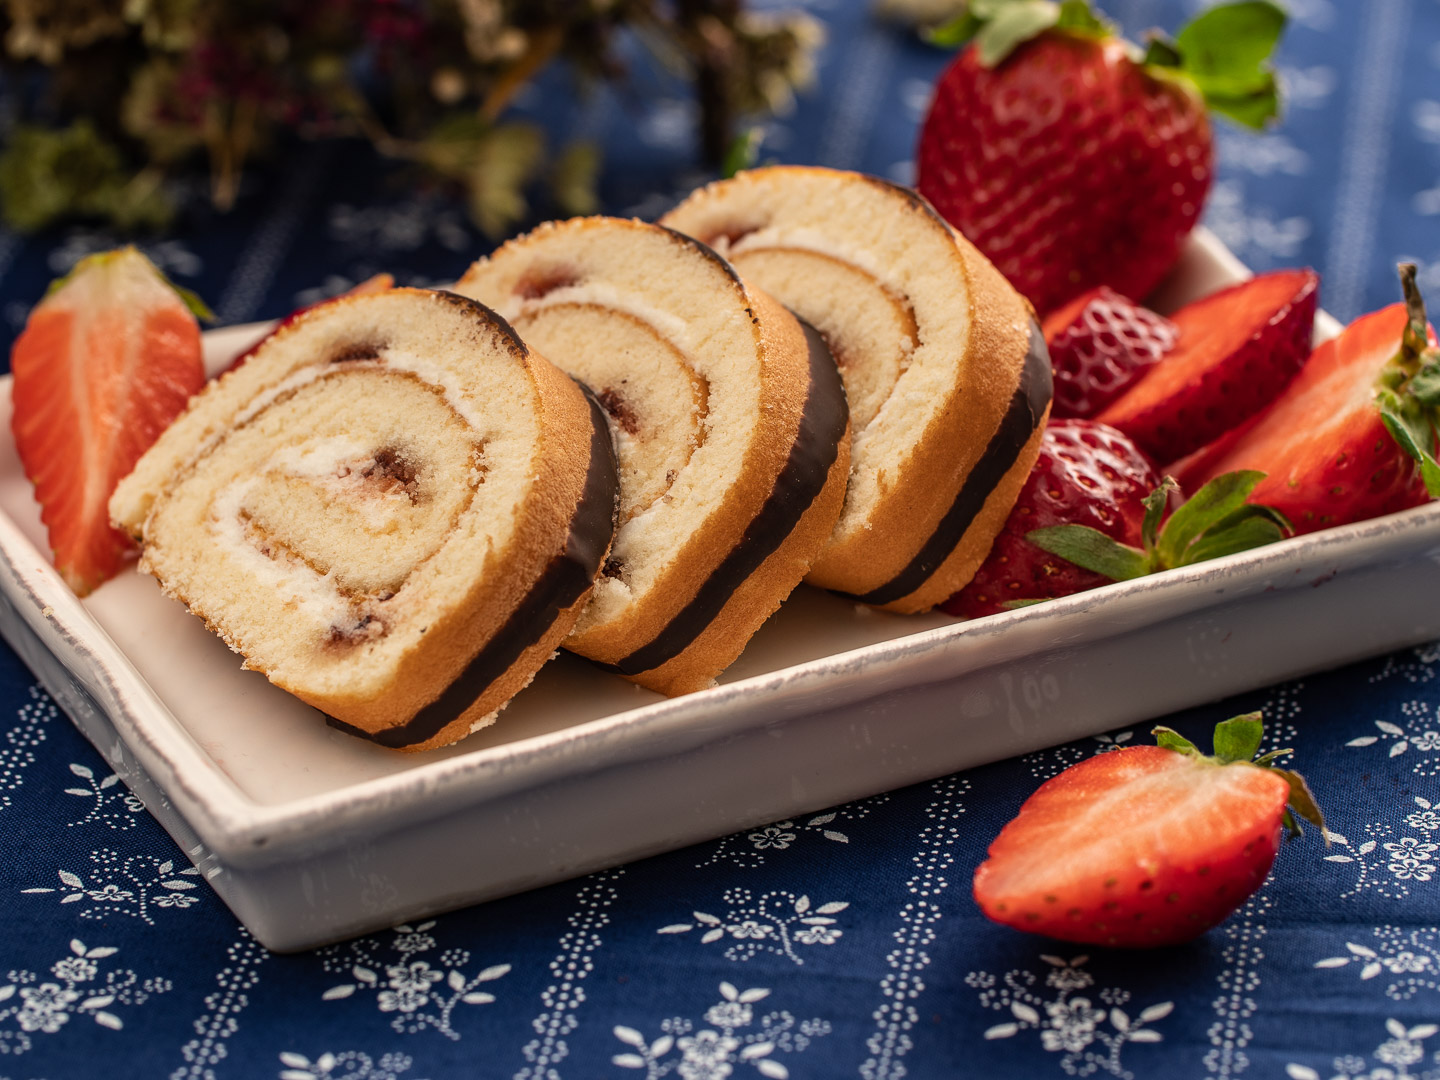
pixel 1226 51
pixel 1160 51
pixel 1238 738
pixel 1413 433
pixel 1273 755
pixel 1011 26
pixel 191 299
pixel 742 153
pixel 1292 827
pixel 1207 508
pixel 1008 605
pixel 1301 798
pixel 1091 549
pixel 1250 531
pixel 1080 16
pixel 1171 739
pixel 958 31
pixel 999 27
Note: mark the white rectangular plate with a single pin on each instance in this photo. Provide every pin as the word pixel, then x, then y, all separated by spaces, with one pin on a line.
pixel 311 835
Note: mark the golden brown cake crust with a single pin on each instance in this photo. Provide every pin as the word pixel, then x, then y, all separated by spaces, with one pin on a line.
pixel 660 624
pixel 915 494
pixel 762 592
pixel 492 624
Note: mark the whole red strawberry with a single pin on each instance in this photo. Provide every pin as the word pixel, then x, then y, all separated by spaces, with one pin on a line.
pixel 1145 846
pixel 1102 344
pixel 105 363
pixel 1073 159
pixel 1086 474
pixel 1091 512
pixel 1354 435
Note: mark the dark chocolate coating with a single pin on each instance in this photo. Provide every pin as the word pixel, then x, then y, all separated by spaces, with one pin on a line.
pixel 1016 427
pixel 822 426
pixel 563 581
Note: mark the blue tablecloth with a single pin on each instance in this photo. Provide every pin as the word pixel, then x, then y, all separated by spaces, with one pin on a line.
pixel 837 944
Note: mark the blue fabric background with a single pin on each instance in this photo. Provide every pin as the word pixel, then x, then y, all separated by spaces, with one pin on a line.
pixel 116 962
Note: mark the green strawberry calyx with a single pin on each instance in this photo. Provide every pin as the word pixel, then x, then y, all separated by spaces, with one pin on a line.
pixel 1215 521
pixel 1224 51
pixel 1408 390
pixel 191 299
pixel 1237 741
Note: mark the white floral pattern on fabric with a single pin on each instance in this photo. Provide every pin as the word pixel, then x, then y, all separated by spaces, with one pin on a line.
pixel 1404 1048
pixel 113 804
pixel 570 967
pixel 348 1065
pixel 1239 979
pixel 776 923
pixel 33 1004
pixel 748 849
pixel 1089 1037
pixel 712 1053
pixel 219 1021
pixel 1420 667
pixel 1410 956
pixel 1389 865
pixel 1420 733
pixel 1262 155
pixel 131 886
pixel 1308 87
pixel 1244 931
pixel 421 996
pixel 897 1016
pixel 17 752
pixel 1253 233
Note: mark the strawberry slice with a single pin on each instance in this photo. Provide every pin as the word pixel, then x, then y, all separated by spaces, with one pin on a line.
pixel 1354 436
pixel 374 284
pixel 1237 350
pixel 1145 846
pixel 1101 344
pixel 105 363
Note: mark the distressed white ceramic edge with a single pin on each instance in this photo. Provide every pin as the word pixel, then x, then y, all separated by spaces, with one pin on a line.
pixel 244 832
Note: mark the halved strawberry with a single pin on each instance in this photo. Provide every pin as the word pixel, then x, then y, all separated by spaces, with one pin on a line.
pixel 105 363
pixel 1145 846
pixel 374 284
pixel 1101 344
pixel 1237 350
pixel 1354 436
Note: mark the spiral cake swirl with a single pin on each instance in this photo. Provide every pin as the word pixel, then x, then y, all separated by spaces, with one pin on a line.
pixel 395 510
pixel 947 373
pixel 730 425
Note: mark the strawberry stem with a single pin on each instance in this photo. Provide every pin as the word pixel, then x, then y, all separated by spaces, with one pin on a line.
pixel 1414 343
pixel 1408 388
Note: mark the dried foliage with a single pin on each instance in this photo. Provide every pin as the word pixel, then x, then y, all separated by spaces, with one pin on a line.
pixel 117 96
